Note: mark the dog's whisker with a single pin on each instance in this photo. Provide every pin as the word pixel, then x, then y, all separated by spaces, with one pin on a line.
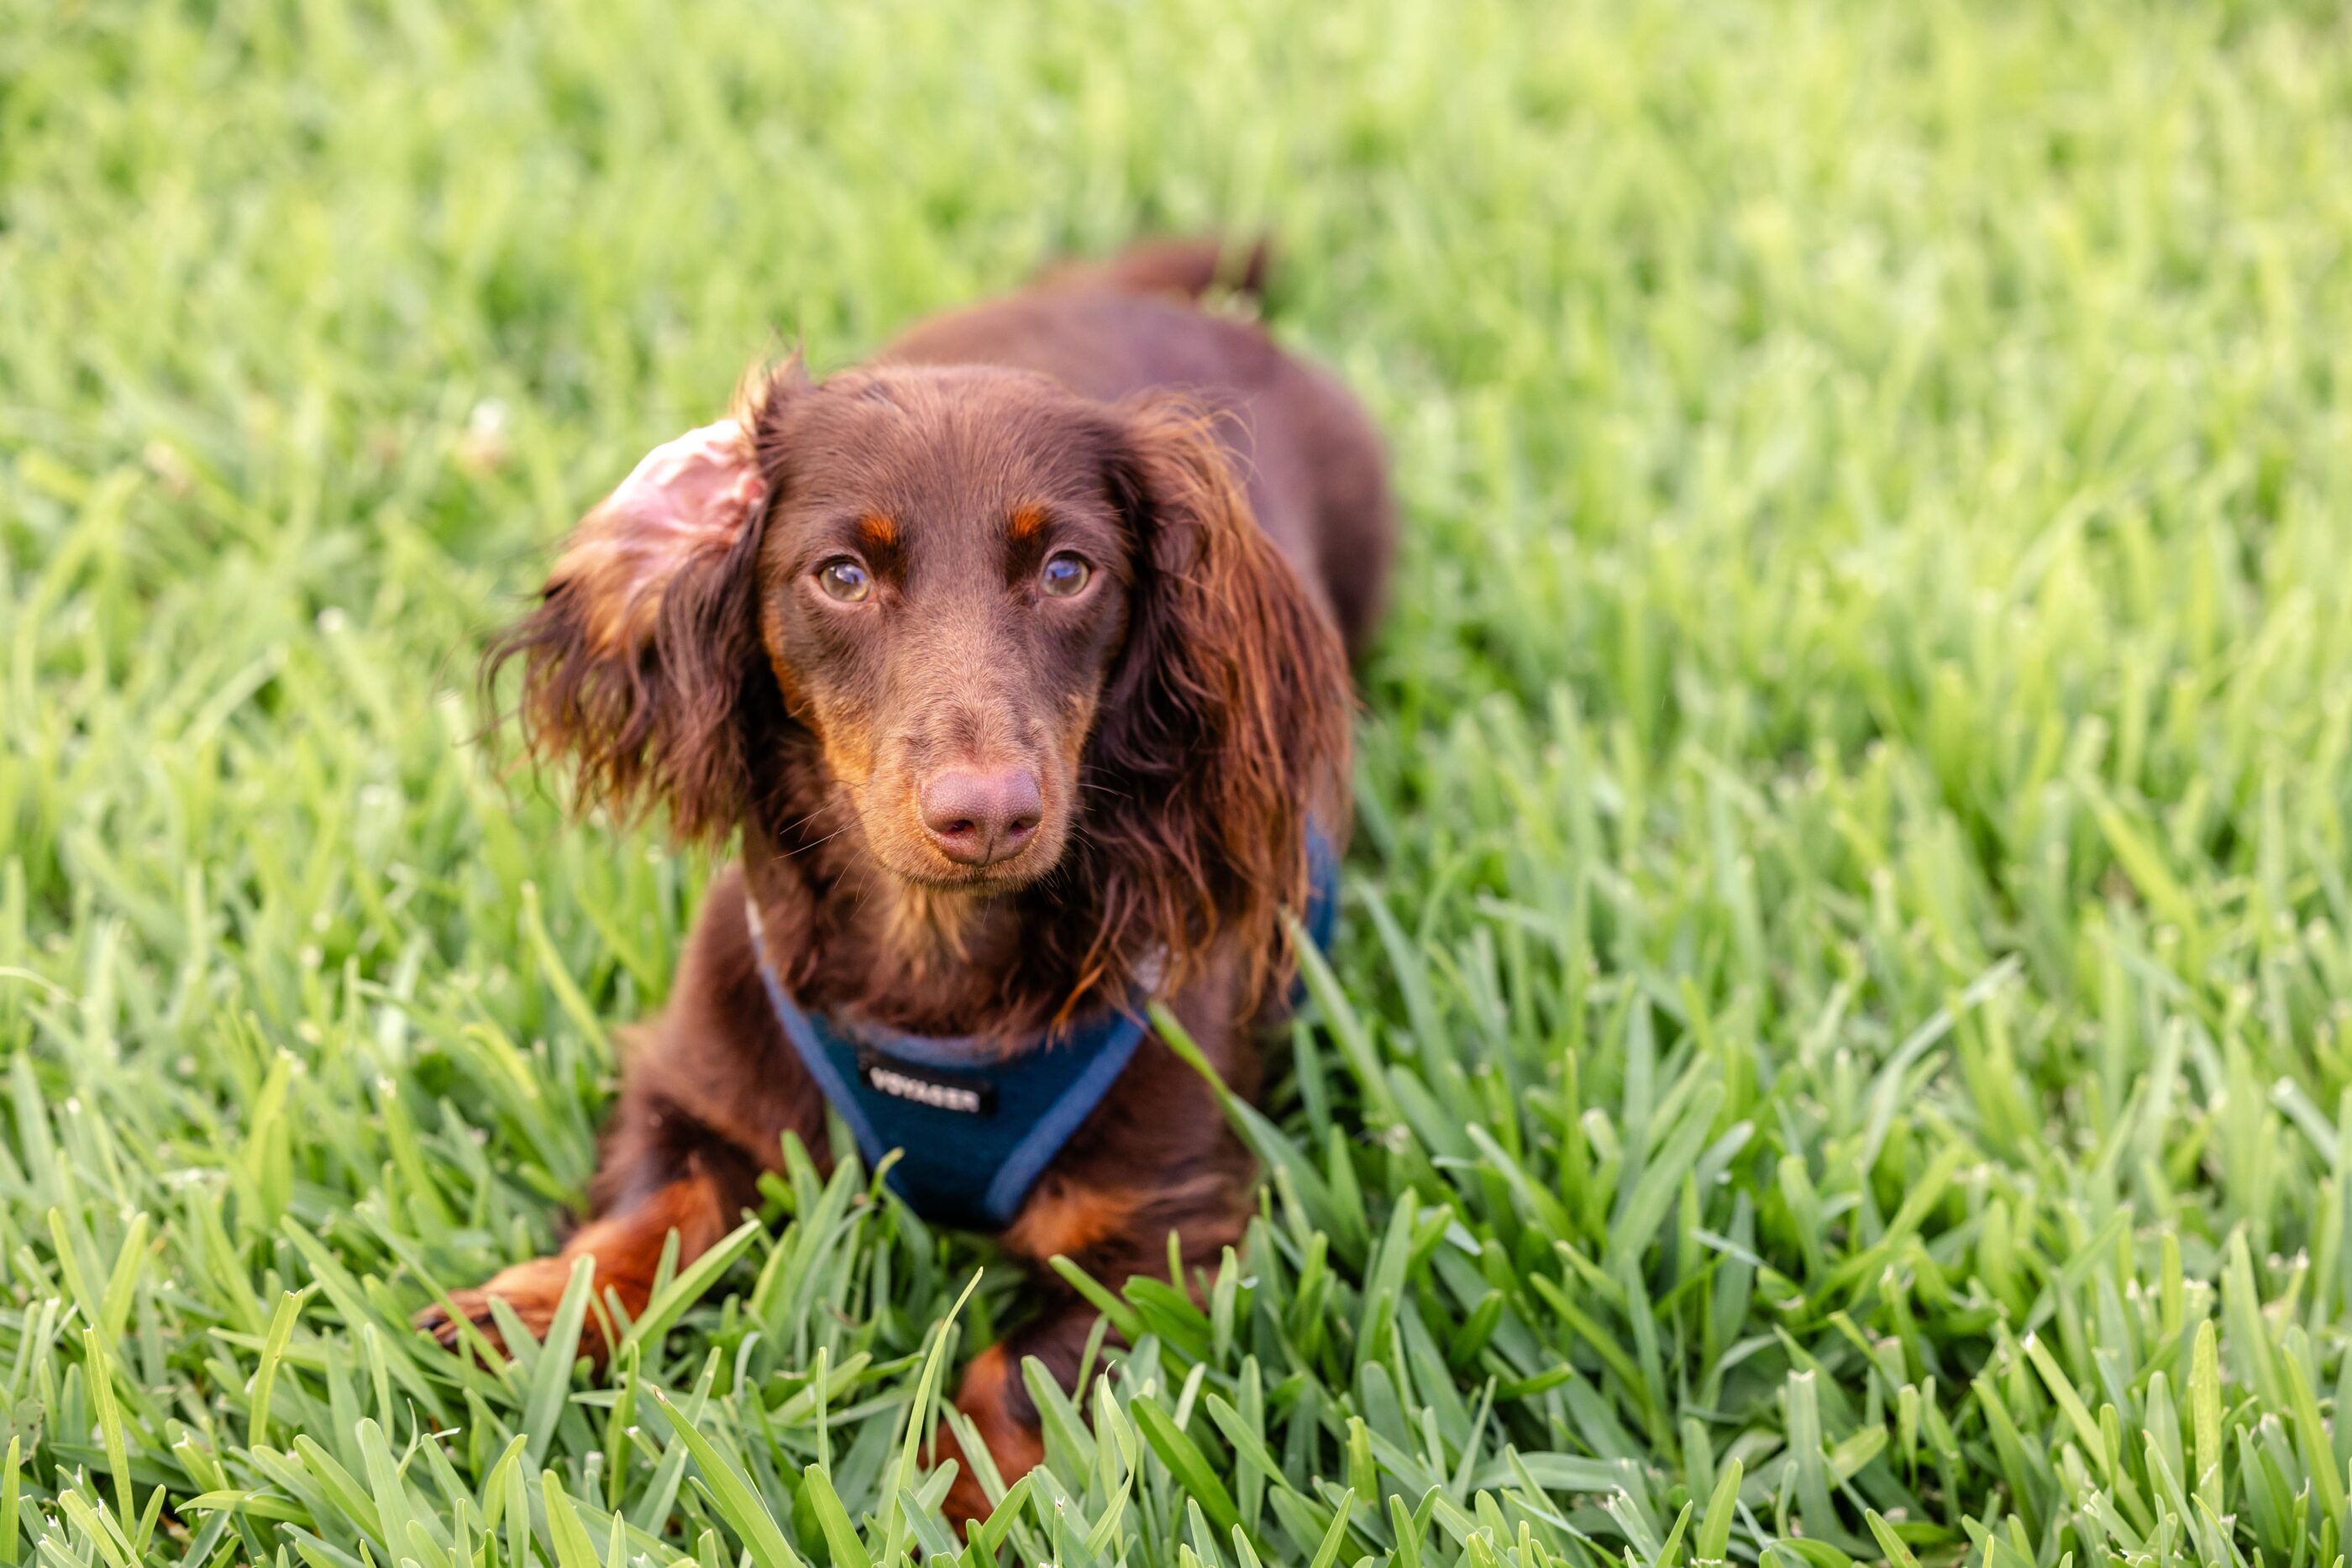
pixel 817 843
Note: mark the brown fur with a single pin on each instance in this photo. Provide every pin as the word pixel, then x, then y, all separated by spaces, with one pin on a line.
pixel 1184 713
pixel 1002 1412
pixel 627 1245
pixel 633 664
pixel 1066 1219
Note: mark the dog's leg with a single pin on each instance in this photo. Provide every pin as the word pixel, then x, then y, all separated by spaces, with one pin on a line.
pixel 993 1399
pixel 1112 1234
pixel 711 1088
pixel 662 1173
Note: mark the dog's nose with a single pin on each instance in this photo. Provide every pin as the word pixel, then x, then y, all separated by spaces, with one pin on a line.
pixel 977 818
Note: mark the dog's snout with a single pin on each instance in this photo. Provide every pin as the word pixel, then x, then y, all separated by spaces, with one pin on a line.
pixel 977 817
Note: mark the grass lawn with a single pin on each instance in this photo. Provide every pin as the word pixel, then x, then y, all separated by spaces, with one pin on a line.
pixel 1839 1043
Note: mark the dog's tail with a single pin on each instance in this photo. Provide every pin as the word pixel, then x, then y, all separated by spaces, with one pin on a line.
pixel 1187 268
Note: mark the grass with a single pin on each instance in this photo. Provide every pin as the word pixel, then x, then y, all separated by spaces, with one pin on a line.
pixel 1839 1044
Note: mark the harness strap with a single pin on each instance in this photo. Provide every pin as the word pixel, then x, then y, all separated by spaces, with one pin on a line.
pixel 1063 1118
pixel 976 1128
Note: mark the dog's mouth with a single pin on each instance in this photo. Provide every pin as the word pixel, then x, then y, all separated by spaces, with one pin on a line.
pixel 914 862
pixel 1016 871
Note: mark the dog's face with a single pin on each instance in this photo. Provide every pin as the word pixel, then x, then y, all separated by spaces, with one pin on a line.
pixel 942 589
pixel 1006 615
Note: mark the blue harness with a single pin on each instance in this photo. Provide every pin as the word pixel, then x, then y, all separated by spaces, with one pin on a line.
pixel 975 1126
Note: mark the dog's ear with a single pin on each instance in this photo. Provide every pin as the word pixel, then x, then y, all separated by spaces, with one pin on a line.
pixel 1227 724
pixel 638 662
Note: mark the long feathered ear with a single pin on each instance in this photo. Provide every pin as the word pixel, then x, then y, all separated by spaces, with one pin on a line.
pixel 639 661
pixel 1226 725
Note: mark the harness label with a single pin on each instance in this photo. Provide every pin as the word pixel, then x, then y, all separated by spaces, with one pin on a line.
pixel 921 1085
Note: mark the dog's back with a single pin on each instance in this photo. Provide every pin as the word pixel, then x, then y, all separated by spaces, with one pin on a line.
pixel 1317 475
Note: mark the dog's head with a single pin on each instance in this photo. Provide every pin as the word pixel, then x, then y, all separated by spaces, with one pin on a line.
pixel 1024 629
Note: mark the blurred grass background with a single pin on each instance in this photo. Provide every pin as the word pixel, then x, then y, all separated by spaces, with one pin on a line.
pixel 1838 1048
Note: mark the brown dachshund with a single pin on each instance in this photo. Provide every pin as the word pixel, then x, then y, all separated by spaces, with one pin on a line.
pixel 1019 655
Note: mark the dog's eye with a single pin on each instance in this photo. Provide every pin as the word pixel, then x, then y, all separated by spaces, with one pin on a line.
pixel 845 579
pixel 1065 575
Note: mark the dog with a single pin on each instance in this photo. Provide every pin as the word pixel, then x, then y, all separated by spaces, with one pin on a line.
pixel 1020 655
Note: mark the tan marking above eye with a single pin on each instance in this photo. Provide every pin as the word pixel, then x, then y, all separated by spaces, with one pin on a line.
pixel 877 532
pixel 1025 523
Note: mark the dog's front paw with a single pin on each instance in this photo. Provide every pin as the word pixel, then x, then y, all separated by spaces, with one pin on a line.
pixel 966 1501
pixel 531 1289
pixel 1002 1414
